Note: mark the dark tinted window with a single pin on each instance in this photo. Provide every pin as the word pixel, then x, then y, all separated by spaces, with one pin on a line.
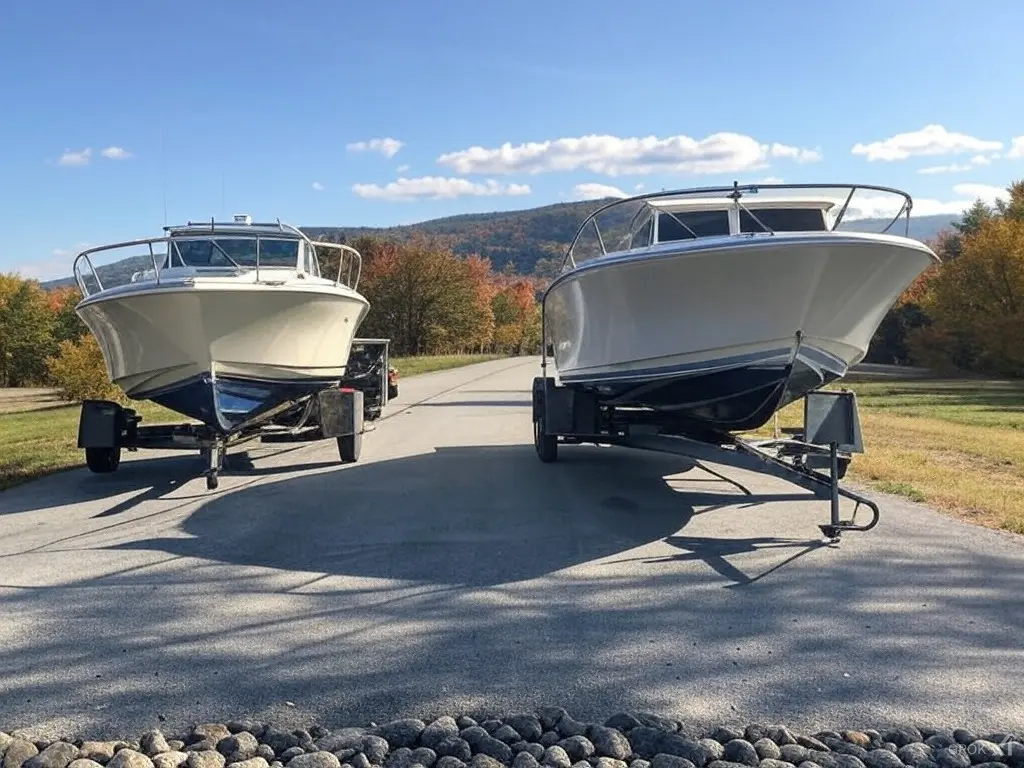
pixel 783 220
pixel 703 224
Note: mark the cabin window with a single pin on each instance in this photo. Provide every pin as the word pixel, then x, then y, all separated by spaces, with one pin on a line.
pixel 783 220
pixel 229 251
pixel 702 223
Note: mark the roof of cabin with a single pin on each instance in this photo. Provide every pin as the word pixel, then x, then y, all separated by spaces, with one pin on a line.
pixel 753 203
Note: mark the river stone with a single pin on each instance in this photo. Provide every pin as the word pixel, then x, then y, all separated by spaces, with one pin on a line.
pixel 557 757
pixel 130 758
pixel 59 754
pixel 18 751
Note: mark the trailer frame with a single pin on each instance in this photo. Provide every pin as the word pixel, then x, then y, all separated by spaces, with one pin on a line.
pixel 565 415
pixel 106 428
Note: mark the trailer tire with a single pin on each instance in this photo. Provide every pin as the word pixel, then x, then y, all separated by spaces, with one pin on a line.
pixel 349 448
pixel 102 460
pixel 546 445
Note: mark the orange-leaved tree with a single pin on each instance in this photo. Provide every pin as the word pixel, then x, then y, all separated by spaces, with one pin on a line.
pixel 975 302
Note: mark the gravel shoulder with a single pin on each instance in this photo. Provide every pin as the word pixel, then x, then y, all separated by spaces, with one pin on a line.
pixel 449 571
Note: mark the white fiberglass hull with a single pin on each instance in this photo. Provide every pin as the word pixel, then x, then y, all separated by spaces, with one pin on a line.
pixel 170 343
pixel 731 328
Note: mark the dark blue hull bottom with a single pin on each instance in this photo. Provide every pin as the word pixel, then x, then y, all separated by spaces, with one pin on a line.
pixel 743 396
pixel 224 404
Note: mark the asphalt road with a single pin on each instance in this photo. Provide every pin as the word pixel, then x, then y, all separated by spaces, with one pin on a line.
pixel 450 571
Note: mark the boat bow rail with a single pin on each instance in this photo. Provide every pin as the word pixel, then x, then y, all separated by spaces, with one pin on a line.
pixel 152 264
pixel 635 220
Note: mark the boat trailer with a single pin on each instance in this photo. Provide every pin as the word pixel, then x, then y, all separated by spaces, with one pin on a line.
pixel 830 435
pixel 105 428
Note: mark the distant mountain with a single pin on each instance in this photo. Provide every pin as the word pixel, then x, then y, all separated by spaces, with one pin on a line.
pixel 536 238
pixel 533 240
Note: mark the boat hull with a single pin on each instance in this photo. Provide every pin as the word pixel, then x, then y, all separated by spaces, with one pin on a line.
pixel 724 333
pixel 224 354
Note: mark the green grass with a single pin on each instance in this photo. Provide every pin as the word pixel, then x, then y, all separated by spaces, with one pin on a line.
pixel 957 445
pixel 38 442
pixel 413 366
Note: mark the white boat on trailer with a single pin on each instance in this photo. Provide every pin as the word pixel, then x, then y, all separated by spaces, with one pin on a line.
pixel 718 307
pixel 231 325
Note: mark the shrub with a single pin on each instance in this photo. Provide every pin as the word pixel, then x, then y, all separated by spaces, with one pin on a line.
pixel 79 372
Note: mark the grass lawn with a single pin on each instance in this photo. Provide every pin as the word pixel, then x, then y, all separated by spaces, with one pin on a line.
pixel 37 442
pixel 957 445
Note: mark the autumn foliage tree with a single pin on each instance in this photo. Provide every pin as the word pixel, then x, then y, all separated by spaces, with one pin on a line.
pixel 975 302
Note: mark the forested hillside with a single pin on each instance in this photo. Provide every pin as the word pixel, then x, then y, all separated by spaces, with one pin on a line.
pixel 532 241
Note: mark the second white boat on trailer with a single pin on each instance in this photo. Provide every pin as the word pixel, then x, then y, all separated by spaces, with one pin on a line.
pixel 722 305
pixel 231 321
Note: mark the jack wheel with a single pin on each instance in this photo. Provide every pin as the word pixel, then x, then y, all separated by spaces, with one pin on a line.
pixel 102 460
pixel 212 481
pixel 545 444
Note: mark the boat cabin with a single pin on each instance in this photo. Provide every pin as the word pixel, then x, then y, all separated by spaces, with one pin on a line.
pixel 666 220
pixel 239 245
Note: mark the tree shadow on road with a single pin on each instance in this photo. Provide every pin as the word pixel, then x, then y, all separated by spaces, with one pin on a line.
pixel 478 578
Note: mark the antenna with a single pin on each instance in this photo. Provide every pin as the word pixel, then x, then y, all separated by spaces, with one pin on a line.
pixel 163 172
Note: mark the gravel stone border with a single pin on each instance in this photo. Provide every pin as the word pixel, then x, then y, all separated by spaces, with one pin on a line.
pixel 547 738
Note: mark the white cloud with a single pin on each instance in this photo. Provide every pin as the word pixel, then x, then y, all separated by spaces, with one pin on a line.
pixel 386 146
pixel 402 168
pixel 317 186
pixel 770 180
pixel 116 153
pixel 954 168
pixel 930 140
pixel 50 269
pixel 1016 147
pixel 71 158
pixel 987 192
pixel 615 156
pixel 639 187
pixel 960 167
pixel 875 206
pixel 437 188
pixel 594 191
pixel 795 153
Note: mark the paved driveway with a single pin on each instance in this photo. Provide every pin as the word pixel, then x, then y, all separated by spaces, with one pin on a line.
pixel 449 570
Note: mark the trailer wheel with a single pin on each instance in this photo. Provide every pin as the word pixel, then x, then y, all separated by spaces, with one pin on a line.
pixel 102 460
pixel 349 448
pixel 546 445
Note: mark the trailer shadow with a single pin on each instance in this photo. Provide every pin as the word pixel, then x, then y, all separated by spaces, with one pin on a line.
pixel 468 516
pixel 441 525
pixel 151 477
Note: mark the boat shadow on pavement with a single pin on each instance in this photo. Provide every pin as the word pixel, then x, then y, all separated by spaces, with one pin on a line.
pixel 469 516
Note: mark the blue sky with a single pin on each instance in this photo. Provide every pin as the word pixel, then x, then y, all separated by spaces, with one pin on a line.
pixel 336 113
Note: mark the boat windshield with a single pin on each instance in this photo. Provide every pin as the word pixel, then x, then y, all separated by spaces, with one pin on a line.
pixel 235 251
pixel 655 218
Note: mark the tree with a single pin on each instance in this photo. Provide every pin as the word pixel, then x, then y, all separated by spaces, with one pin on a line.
pixel 422 296
pixel 79 371
pixel 976 303
pixel 26 331
pixel 68 326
